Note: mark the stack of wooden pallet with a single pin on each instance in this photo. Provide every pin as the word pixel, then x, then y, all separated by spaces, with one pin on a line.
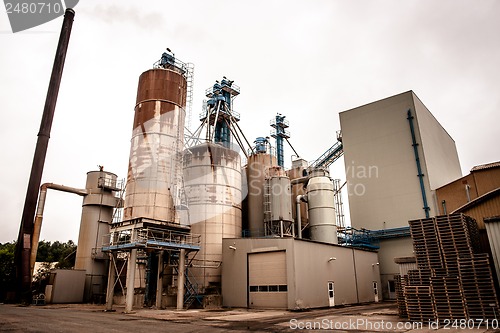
pixel 399 283
pixel 477 287
pixel 452 278
pixel 447 297
pixel 426 244
pixel 419 303
pixel 454 240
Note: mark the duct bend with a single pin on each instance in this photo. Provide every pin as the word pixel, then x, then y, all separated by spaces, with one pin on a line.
pixel 300 197
pixel 39 215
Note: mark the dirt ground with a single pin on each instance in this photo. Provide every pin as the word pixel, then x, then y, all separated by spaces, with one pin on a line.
pixel 381 317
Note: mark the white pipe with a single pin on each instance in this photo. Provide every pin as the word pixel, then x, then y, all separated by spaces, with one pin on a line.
pixel 181 279
pixel 299 198
pixel 129 297
pixel 39 215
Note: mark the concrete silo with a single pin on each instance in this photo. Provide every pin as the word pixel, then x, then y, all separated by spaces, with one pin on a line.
pixel 212 184
pixel 97 215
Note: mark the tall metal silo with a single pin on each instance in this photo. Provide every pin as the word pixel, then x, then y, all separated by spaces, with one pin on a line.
pixel 256 170
pixel 320 201
pixel 154 173
pixel 212 183
pixel 278 219
pixel 298 176
pixel 97 215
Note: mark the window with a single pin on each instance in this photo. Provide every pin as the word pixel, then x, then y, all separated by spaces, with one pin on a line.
pixel 269 289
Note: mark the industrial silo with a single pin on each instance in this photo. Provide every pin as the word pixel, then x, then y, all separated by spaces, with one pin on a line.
pixel 320 202
pixel 298 178
pixel 97 215
pixel 154 173
pixel 278 219
pixel 256 170
pixel 212 183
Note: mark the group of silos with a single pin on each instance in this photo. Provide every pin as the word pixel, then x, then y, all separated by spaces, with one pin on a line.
pixel 201 186
pixel 284 203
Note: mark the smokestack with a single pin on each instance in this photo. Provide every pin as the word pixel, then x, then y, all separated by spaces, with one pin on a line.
pixel 23 246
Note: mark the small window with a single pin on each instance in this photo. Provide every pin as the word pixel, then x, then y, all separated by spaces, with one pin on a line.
pixel 273 288
pixel 263 288
pixel 283 288
pixel 253 289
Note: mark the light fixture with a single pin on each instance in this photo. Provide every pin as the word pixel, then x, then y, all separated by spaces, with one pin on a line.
pixel 376 264
pixel 232 247
pixel 332 258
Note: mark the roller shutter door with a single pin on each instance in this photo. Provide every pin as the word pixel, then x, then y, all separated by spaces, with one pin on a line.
pixel 267 287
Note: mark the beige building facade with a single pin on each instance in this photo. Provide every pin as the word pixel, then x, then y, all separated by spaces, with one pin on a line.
pixel 288 273
pixel 383 143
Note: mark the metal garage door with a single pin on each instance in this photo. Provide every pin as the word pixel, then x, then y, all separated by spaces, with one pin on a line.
pixel 267 285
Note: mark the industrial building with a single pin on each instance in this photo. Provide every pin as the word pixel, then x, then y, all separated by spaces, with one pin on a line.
pixel 208 219
pixel 396 155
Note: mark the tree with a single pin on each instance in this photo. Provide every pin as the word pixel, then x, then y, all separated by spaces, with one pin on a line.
pixel 62 253
pixel 7 269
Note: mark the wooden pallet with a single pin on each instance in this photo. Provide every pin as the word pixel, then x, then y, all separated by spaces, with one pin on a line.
pixel 477 287
pixel 447 298
pixel 400 282
pixel 419 304
pixel 425 243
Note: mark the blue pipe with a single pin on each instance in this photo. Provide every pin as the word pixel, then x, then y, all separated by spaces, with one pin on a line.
pixel 419 169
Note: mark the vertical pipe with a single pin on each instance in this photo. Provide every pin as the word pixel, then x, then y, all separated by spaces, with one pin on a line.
pixel 299 222
pixel 159 283
pixel 111 283
pixel 419 168
pixel 37 226
pixel 129 300
pixel 181 279
pixel 23 247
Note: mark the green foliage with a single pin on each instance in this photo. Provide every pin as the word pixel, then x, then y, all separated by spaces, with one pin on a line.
pixel 62 253
pixel 7 262
pixel 7 268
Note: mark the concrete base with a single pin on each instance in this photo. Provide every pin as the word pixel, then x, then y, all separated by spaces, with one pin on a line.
pixel 212 301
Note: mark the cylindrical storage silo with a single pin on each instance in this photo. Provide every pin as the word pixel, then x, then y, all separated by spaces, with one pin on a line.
pixel 212 183
pixel 320 196
pixel 97 215
pixel 154 174
pixel 256 171
pixel 296 174
pixel 278 219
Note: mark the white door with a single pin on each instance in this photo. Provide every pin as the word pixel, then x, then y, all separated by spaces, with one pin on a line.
pixel 267 283
pixel 331 293
pixel 375 290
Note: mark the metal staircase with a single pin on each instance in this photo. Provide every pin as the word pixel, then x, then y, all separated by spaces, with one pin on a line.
pixel 191 287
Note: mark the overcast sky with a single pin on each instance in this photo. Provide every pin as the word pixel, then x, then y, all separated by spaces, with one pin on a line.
pixel 308 60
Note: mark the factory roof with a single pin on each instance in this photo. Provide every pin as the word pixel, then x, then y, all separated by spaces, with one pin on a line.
pixel 485 166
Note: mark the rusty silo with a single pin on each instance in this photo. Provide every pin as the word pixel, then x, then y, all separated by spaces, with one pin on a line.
pixel 154 173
